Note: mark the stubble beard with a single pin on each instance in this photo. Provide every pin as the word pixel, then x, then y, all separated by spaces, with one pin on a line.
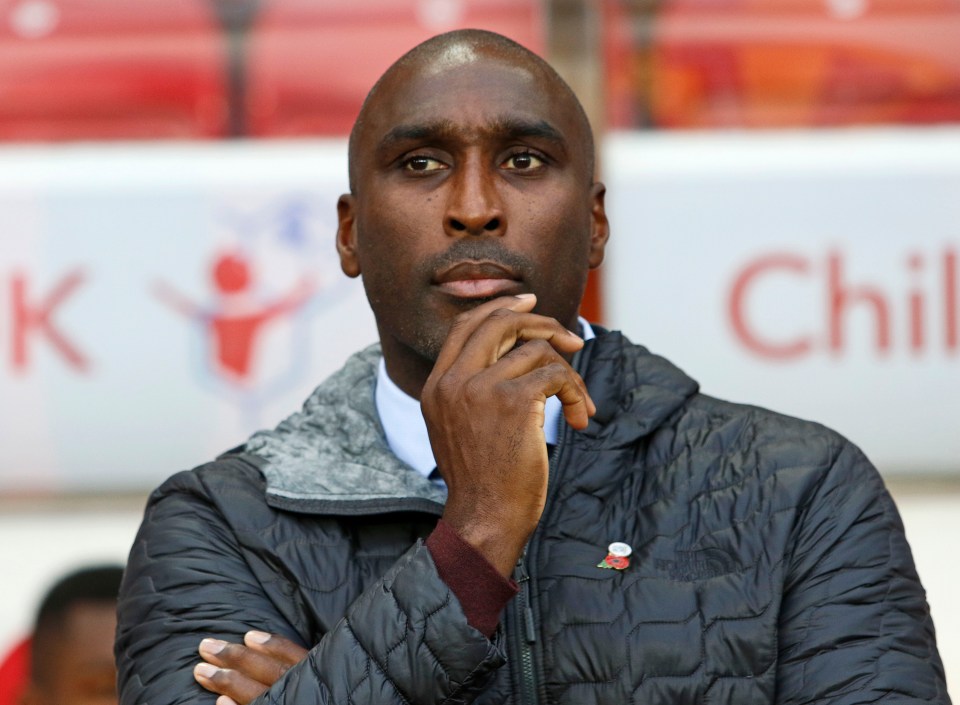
pixel 427 341
pixel 427 332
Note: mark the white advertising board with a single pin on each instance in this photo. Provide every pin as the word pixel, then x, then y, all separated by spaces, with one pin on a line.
pixel 815 273
pixel 160 302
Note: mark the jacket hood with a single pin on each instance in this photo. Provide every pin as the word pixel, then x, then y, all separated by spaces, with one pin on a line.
pixel 332 456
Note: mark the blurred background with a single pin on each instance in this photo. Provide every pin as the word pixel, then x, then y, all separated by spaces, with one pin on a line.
pixel 783 186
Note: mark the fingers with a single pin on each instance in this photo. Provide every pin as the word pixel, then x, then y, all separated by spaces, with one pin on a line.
pixel 241 672
pixel 232 686
pixel 535 371
pixel 464 325
pixel 258 666
pixel 480 337
pixel 569 388
pixel 275 645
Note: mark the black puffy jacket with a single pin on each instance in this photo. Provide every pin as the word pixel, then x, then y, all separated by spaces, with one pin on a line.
pixel 769 562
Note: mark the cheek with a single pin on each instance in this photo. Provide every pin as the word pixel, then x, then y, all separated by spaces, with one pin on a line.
pixel 410 206
pixel 560 242
pixel 556 234
pixel 382 248
pixel 398 221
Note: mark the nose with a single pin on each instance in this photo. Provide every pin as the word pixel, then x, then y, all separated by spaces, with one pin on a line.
pixel 474 206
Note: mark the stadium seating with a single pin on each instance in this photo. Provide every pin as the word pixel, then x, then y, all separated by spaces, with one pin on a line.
pixel 311 63
pixel 111 69
pixel 116 69
pixel 757 63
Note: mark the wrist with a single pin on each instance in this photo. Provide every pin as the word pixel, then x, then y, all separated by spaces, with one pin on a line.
pixel 494 539
pixel 479 587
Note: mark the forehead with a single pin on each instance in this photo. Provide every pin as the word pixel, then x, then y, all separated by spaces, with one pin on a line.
pixel 471 93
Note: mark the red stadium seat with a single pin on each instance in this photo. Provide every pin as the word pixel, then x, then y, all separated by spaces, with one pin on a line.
pixel 111 69
pixel 311 63
pixel 755 63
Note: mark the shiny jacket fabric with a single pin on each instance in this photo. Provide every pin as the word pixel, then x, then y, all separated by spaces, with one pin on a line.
pixel 769 563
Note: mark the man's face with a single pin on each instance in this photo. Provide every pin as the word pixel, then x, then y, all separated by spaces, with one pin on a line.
pixel 472 181
pixel 80 668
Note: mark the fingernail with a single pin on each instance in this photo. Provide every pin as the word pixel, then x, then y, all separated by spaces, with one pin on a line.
pixel 525 296
pixel 205 670
pixel 212 646
pixel 257 637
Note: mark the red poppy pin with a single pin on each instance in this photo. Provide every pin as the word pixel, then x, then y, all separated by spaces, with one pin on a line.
pixel 618 556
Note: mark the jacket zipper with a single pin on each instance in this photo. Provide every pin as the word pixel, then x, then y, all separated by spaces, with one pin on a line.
pixel 525 633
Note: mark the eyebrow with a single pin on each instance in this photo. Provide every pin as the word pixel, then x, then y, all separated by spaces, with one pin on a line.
pixel 505 128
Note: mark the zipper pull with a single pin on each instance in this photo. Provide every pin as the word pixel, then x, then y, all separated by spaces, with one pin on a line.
pixel 528 626
pixel 523 580
pixel 520 571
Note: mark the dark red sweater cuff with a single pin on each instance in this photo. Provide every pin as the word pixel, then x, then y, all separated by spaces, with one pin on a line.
pixel 481 590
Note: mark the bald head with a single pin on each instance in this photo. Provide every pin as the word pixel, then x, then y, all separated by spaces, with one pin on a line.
pixel 456 49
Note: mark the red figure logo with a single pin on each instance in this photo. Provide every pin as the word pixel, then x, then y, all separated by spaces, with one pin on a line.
pixel 238 318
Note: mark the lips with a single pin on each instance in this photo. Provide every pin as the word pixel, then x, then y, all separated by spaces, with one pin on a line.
pixel 478 280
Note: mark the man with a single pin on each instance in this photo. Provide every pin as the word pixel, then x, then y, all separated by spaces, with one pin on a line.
pixel 664 546
pixel 71 657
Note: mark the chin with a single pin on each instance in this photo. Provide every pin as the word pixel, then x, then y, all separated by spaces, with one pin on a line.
pixel 427 344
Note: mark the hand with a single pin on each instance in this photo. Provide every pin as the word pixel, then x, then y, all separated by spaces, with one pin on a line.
pixel 484 407
pixel 241 672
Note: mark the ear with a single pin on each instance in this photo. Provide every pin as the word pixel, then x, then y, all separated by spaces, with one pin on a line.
pixel 600 228
pixel 347 235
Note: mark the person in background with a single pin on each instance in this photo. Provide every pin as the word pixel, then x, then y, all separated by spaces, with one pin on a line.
pixel 71 657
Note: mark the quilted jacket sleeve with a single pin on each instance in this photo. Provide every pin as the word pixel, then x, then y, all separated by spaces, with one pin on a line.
pixel 855 625
pixel 404 640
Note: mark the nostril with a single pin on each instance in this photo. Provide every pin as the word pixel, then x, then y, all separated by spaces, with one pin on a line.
pixel 457 225
pixel 494 224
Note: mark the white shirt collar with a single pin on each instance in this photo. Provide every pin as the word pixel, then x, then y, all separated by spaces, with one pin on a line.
pixel 407 431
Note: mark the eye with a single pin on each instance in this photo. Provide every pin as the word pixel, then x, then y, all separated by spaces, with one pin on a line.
pixel 423 164
pixel 523 161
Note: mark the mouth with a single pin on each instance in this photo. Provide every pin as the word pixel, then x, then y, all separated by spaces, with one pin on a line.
pixel 478 280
